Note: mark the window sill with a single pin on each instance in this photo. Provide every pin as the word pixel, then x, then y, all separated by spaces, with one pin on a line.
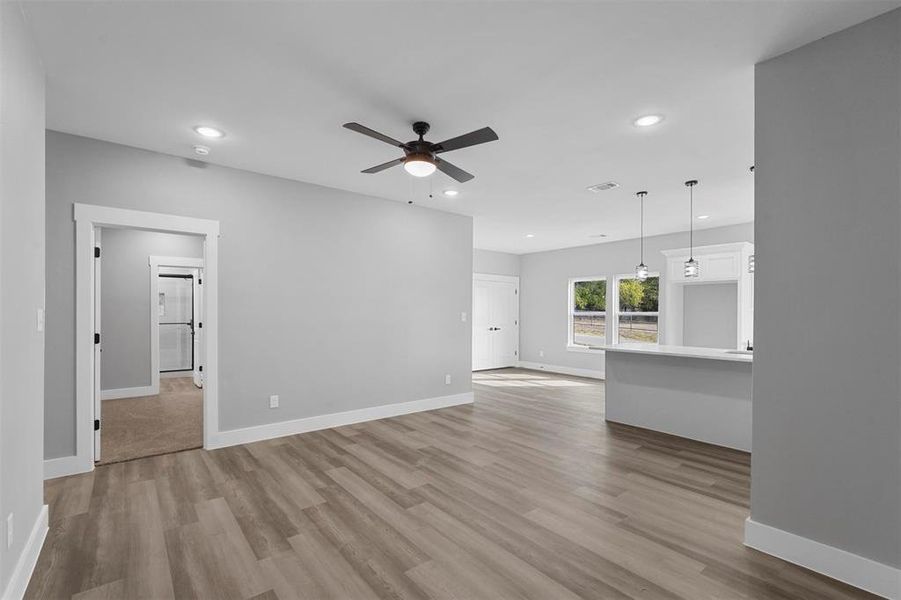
pixel 585 349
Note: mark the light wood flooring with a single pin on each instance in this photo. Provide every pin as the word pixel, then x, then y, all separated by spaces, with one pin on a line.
pixel 528 493
pixel 149 425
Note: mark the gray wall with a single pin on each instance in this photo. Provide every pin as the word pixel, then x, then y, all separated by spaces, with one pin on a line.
pixel 710 315
pixel 125 300
pixel 827 399
pixel 333 300
pixel 21 284
pixel 495 263
pixel 544 287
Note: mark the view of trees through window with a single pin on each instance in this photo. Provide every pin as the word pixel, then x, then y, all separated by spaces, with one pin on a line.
pixel 638 316
pixel 589 312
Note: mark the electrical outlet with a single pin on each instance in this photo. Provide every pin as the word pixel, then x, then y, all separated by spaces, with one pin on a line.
pixel 463 317
pixel 273 401
pixel 40 319
pixel 447 379
pixel 541 354
pixel 9 531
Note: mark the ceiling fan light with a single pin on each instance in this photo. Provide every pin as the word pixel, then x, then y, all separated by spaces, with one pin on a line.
pixel 419 166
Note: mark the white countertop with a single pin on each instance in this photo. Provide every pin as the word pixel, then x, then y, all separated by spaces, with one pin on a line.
pixel 681 351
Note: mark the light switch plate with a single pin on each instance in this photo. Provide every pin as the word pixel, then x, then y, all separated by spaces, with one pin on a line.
pixel 273 401
pixel 40 319
pixel 447 379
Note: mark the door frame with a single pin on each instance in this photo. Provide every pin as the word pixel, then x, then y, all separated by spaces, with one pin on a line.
pixel 155 263
pixel 88 217
pixel 514 279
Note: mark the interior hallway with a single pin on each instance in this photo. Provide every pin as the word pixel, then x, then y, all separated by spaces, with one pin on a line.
pixel 150 425
pixel 526 493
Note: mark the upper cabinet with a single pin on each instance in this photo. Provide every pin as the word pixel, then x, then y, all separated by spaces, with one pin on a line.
pixel 720 262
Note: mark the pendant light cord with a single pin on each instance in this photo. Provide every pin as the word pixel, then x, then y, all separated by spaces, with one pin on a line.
pixel 691 222
pixel 641 196
pixel 691 183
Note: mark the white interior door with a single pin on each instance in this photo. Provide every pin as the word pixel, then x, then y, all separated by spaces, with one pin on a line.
pixel 98 348
pixel 495 321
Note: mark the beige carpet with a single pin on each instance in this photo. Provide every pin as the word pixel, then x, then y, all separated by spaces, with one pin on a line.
pixel 150 425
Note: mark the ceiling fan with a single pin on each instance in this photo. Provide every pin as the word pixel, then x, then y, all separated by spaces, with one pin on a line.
pixel 420 157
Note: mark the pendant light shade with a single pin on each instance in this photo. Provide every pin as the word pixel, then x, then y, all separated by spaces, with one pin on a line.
pixel 641 270
pixel 692 268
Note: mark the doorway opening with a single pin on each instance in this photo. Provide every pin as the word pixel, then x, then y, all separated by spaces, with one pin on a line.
pixel 148 361
pixel 146 334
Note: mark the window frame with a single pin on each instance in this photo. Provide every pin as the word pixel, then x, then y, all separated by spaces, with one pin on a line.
pixel 571 345
pixel 617 312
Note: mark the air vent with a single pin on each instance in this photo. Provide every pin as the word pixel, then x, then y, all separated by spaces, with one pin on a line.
pixel 603 187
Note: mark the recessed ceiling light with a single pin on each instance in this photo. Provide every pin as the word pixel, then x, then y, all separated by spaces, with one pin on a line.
pixel 647 120
pixel 703 217
pixel 209 132
pixel 450 193
pixel 201 150
pixel 530 235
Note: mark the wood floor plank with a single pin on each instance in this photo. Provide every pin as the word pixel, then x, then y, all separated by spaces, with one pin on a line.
pixel 527 493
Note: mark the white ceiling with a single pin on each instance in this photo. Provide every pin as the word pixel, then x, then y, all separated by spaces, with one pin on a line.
pixel 559 82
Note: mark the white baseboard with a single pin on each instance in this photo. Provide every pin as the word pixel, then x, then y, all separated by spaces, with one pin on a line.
pixel 132 392
pixel 246 435
pixel 590 373
pixel 863 573
pixel 175 374
pixel 66 465
pixel 21 575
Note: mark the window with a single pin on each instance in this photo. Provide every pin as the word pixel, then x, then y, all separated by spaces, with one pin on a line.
pixel 637 310
pixel 588 312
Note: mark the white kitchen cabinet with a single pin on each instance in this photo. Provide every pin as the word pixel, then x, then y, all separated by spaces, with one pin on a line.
pixel 720 263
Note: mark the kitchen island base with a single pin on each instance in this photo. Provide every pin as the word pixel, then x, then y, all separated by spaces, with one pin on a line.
pixel 700 398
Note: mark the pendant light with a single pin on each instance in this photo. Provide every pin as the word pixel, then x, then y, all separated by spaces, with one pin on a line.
pixel 692 268
pixel 641 270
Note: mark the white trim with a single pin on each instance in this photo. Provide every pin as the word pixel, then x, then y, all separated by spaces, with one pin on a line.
pixel 570 299
pixel 584 349
pixel 21 575
pixel 499 278
pixel 132 392
pixel 590 373
pixel 176 374
pixel 88 216
pixel 853 569
pixel 67 465
pixel 246 435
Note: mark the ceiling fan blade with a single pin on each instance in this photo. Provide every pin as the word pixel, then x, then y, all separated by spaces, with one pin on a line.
pixel 384 166
pixel 479 136
pixel 453 170
pixel 373 134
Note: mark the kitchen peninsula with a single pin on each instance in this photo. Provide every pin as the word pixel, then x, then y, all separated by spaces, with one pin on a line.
pixel 702 394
